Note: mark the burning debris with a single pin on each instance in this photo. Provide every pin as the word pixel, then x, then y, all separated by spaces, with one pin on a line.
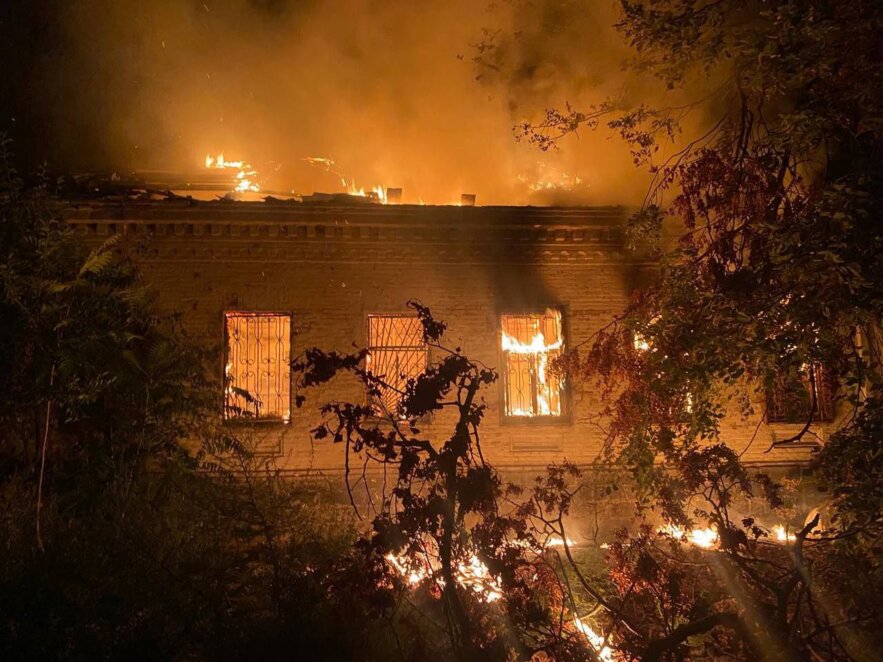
pixel 246 176
pixel 707 537
pixel 376 194
pixel 471 574
pixel 597 642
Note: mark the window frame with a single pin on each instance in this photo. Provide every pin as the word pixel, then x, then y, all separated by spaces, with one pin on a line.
pixel 825 401
pixel 225 353
pixel 368 346
pixel 566 415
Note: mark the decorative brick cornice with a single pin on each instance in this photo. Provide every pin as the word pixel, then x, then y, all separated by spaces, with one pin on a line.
pixel 294 232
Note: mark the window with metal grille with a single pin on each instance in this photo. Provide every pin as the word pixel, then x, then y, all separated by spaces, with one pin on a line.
pixel 679 410
pixel 790 400
pixel 530 345
pixel 396 353
pixel 257 373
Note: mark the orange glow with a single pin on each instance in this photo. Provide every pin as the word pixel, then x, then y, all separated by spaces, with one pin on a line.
pixel 396 354
pixel 257 374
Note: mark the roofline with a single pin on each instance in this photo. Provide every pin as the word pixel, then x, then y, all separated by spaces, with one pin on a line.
pixel 193 211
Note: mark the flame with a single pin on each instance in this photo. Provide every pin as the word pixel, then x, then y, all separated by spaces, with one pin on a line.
pixel 246 176
pixel 476 576
pixel 414 573
pixel 471 574
pixel 596 641
pixel 547 177
pixel 707 537
pixel 538 351
pixel 781 534
pixel 556 541
pixel 704 537
pixel 537 344
pixel 640 343
pixel 378 193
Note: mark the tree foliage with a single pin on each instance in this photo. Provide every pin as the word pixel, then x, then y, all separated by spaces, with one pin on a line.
pixel 134 524
pixel 447 522
pixel 776 269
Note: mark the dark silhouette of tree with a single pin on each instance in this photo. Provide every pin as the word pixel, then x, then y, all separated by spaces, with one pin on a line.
pixel 447 523
pixel 775 278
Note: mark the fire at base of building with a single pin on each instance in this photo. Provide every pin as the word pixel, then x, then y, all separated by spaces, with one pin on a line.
pixel 258 282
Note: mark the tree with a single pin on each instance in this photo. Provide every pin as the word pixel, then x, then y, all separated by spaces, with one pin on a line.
pixel 777 272
pixel 448 524
pixel 160 534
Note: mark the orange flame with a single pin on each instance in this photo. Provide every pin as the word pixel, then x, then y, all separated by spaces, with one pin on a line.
pixel 471 573
pixel 246 175
pixel 533 353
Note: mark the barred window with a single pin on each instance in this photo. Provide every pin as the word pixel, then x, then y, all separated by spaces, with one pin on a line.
pixel 530 344
pixel 257 374
pixel 396 353
pixel 790 398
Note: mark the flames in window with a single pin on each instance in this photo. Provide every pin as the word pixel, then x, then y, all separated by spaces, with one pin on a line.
pixel 530 344
pixel 396 353
pixel 257 376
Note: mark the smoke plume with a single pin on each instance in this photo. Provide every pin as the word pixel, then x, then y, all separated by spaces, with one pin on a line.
pixel 389 90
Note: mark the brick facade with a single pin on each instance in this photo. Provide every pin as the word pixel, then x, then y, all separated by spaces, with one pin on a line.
pixel 332 265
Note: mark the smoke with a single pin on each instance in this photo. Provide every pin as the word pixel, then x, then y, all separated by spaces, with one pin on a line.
pixel 387 89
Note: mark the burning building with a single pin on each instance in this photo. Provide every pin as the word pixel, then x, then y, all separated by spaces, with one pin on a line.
pixel 258 282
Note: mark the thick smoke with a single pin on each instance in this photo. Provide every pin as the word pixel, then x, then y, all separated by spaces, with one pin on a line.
pixel 387 89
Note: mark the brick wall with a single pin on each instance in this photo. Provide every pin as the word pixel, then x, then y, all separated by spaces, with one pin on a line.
pixel 332 266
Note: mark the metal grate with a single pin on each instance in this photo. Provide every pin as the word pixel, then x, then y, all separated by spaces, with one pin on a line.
pixel 530 344
pixel 790 399
pixel 257 375
pixel 396 354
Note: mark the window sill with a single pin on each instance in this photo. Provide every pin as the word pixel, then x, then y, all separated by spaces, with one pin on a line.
pixel 256 422
pixel 531 421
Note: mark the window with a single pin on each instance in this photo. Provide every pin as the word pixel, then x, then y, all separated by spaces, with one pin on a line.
pixel 257 375
pixel 790 399
pixel 396 353
pixel 679 411
pixel 530 344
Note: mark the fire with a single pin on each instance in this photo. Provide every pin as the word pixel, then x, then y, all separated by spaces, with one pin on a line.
pixel 476 576
pixel 597 642
pixel 378 193
pixel 537 344
pixel 547 177
pixel 640 343
pixel 471 574
pixel 557 541
pixel 414 573
pixel 531 343
pixel 705 537
pixel 781 534
pixel 246 175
